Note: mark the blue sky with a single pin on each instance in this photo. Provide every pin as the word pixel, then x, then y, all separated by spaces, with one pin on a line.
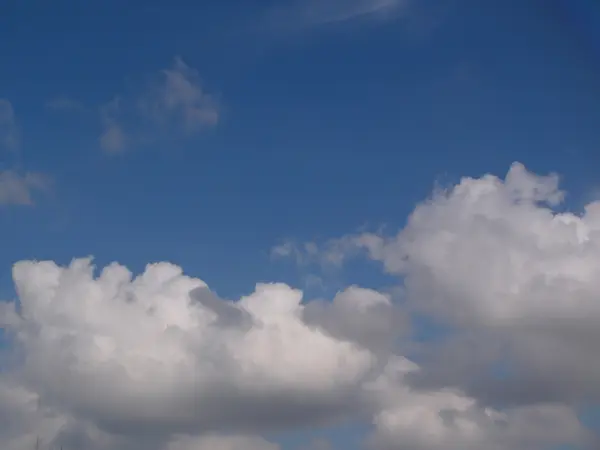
pixel 359 117
pixel 324 126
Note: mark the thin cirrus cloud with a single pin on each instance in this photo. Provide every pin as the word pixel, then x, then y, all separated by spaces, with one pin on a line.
pixel 113 360
pixel 172 104
pixel 20 189
pixel 9 131
pixel 64 103
pixel 308 13
pixel 17 188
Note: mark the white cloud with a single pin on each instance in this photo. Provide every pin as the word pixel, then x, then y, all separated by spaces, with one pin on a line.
pixel 17 189
pixel 329 255
pixel 492 249
pixel 171 105
pixel 301 254
pixel 491 258
pixel 360 315
pixel 112 361
pixel 191 362
pixel 9 131
pixel 178 94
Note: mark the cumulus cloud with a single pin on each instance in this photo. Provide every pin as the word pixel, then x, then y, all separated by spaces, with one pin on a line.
pixel 191 363
pixel 516 281
pixel 111 360
pixel 172 104
pixel 364 316
pixel 9 131
pixel 449 420
pixel 19 189
pixel 29 424
pixel 107 359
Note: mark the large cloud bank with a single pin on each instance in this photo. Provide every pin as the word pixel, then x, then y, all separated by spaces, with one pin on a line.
pixel 108 360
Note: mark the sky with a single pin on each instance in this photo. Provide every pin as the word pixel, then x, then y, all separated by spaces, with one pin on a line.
pixel 300 224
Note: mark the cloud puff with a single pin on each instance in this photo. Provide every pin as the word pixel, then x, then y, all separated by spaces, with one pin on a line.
pixel 178 94
pixel 172 104
pixel 106 359
pixel 19 189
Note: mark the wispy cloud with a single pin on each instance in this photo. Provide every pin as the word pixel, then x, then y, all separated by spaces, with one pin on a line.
pixel 64 103
pixel 330 254
pixel 9 131
pixel 16 188
pixel 177 95
pixel 112 139
pixel 172 104
pixel 19 189
pixel 303 13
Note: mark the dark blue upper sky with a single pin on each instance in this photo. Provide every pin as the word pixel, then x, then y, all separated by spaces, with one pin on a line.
pixel 323 128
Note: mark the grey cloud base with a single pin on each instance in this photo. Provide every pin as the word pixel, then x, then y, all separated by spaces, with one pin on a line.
pixel 117 361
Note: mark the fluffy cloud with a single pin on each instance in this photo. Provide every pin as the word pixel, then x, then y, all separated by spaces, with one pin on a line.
pixel 363 316
pixel 109 360
pixel 173 103
pixel 160 354
pixel 447 419
pixel 29 424
pixel 517 282
pixel 492 256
